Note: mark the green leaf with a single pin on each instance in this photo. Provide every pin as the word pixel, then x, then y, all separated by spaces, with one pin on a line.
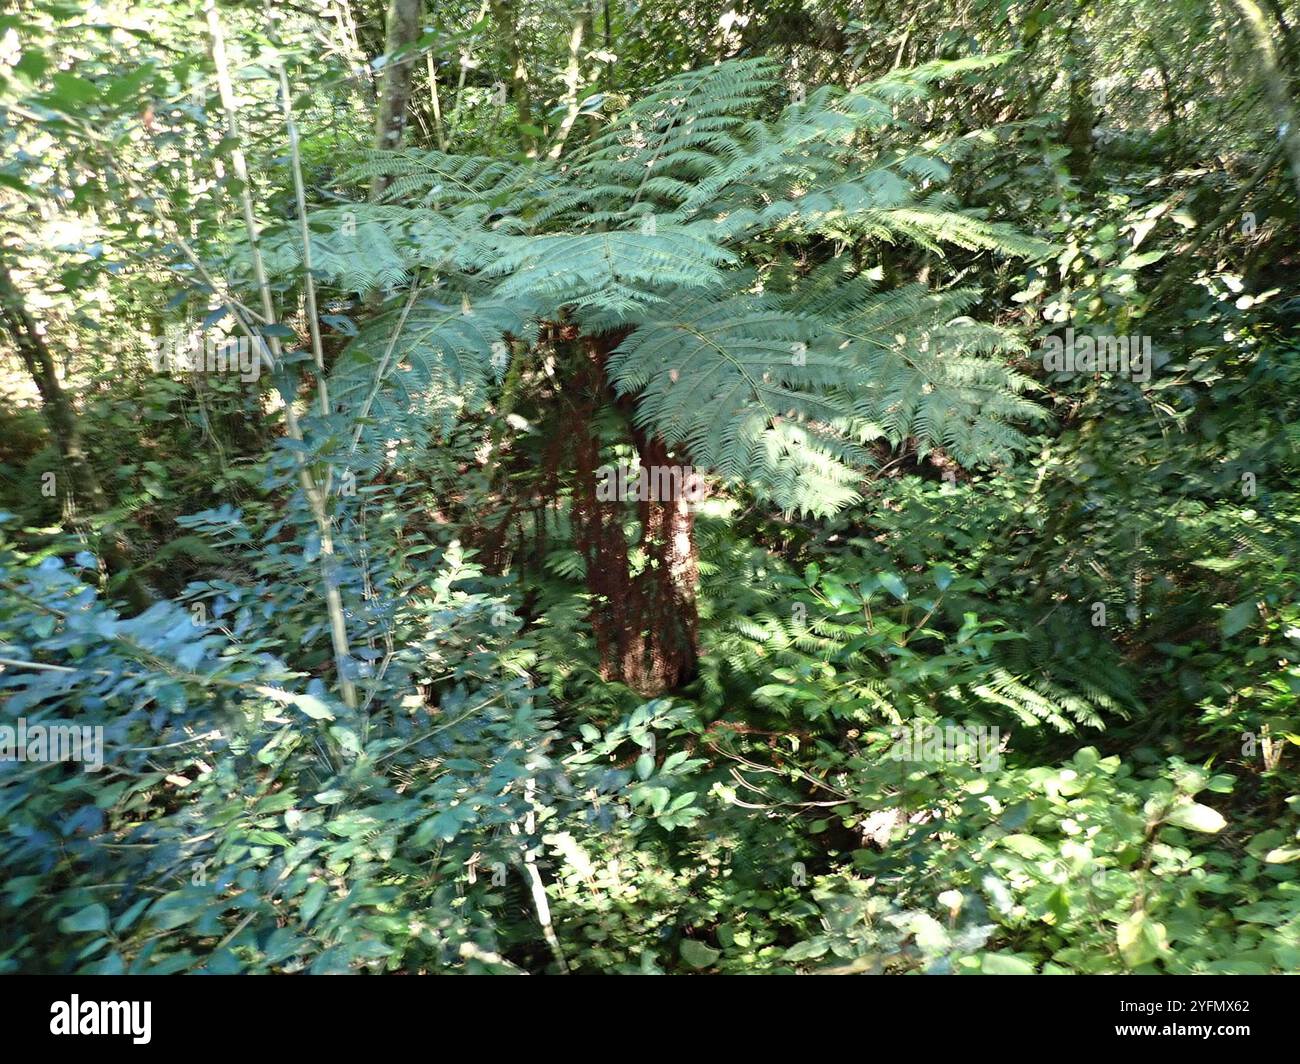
pixel 261 837
pixel 31 66
pixel 1196 817
pixel 71 92
pixel 807 951
pixel 1145 258
pixel 697 954
pixel 1219 565
pixel 22 889
pixel 312 901
pixel 91 918
pixel 176 909
pixel 891 583
pixel 1140 939
pixel 123 88
pixel 1239 617
pixel 1004 964
pixel 1027 846
pixel 309 704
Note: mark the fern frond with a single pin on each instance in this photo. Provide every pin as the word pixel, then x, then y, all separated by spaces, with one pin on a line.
pixel 615 272
pixel 417 369
pixel 715 374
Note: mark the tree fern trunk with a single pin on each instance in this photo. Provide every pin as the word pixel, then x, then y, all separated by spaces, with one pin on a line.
pixel 669 581
pixel 645 625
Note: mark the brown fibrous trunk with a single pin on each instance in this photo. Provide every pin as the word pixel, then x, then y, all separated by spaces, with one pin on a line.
pixel 645 624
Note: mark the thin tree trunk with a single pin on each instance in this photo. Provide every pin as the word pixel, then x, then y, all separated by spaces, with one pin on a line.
pixel 1172 276
pixel 62 419
pixel 437 104
pixel 1079 123
pixel 572 76
pixel 504 12
pixel 350 46
pixel 403 24
pixel 1275 83
pixel 314 492
pixel 1170 105
pixel 610 79
pixel 1290 60
pixel 466 57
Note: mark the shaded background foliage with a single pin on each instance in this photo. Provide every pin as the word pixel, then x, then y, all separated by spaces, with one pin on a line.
pixel 531 775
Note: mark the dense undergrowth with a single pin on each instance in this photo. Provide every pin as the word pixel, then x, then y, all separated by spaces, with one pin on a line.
pixel 992 669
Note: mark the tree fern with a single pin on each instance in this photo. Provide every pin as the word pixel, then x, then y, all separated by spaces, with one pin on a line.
pixel 648 230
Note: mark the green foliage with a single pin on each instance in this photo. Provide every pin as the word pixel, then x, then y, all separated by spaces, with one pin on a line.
pixel 994 669
pixel 656 230
pixel 233 793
